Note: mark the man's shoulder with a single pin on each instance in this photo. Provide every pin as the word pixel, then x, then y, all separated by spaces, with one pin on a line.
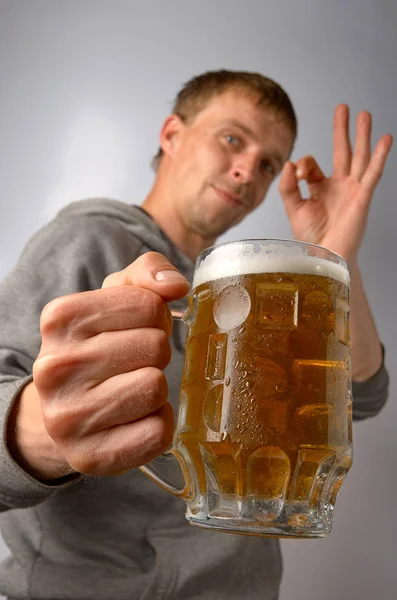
pixel 87 237
pixel 102 213
pixel 95 224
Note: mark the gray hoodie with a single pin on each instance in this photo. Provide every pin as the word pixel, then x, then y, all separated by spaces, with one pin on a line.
pixel 113 537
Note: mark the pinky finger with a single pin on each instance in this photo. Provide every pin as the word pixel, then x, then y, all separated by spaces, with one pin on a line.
pixel 375 168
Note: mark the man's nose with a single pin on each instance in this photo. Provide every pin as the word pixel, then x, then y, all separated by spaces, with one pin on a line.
pixel 243 171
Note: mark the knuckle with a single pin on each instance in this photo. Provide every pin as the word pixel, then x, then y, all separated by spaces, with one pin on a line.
pixel 50 369
pixel 95 456
pixel 59 421
pixel 163 429
pixel 154 304
pixel 105 454
pixel 55 315
pixel 91 456
pixel 44 367
pixel 160 430
pixel 83 463
pixel 147 393
pixel 149 260
pixel 68 416
pixel 162 348
pixel 305 161
pixel 119 460
pixel 111 280
pixel 157 385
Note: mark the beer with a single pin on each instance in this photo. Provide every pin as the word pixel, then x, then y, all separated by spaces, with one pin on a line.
pixel 264 427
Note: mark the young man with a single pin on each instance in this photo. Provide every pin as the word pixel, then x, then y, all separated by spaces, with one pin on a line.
pixel 86 396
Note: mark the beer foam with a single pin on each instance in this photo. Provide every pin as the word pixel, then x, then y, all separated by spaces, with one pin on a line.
pixel 241 258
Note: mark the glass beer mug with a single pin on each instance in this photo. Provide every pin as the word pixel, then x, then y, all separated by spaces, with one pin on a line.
pixel 264 434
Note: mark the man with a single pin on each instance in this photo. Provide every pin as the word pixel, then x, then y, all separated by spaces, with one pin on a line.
pixel 98 404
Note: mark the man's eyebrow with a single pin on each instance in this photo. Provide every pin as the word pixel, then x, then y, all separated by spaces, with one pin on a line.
pixel 248 131
pixel 239 125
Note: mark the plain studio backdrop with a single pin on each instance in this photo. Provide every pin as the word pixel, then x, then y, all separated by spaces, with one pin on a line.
pixel 84 88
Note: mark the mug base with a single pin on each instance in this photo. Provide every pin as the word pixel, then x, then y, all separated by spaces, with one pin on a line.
pixel 259 530
pixel 292 522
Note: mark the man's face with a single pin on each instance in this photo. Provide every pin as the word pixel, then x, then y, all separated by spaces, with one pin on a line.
pixel 223 163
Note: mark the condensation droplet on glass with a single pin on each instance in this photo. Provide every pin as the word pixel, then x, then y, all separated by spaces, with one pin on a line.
pixel 232 307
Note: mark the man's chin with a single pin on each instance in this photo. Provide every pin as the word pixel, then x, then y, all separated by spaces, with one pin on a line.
pixel 214 229
pixel 212 223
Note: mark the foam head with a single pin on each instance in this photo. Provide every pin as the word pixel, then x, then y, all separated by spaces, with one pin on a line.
pixel 252 257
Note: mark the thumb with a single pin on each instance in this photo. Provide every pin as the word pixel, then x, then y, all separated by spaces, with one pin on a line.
pixel 151 271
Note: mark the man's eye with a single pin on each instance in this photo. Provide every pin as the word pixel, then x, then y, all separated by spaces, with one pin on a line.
pixel 268 167
pixel 232 140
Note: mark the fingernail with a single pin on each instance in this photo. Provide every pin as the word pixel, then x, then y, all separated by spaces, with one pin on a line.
pixel 170 276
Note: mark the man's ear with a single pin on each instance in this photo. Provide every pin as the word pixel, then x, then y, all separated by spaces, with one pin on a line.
pixel 170 134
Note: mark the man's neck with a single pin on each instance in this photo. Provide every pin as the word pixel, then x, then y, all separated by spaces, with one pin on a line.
pixel 168 219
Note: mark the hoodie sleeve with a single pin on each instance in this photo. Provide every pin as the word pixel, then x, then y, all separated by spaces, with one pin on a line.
pixel 71 254
pixel 370 396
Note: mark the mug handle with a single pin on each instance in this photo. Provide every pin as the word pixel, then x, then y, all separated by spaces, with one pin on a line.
pixel 168 470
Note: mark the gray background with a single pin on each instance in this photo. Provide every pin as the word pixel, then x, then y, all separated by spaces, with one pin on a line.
pixel 84 87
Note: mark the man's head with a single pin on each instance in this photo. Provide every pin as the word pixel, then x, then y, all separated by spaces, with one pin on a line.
pixel 225 142
pixel 200 90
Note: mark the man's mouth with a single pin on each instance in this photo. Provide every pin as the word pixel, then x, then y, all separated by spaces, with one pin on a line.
pixel 229 197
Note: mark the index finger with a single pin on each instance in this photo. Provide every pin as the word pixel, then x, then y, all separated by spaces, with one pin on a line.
pixel 151 271
pixel 342 146
pixel 87 314
pixel 289 189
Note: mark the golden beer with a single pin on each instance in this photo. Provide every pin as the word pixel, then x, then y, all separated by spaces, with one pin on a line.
pixel 264 428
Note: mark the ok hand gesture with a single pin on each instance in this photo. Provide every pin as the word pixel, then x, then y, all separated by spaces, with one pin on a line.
pixel 336 212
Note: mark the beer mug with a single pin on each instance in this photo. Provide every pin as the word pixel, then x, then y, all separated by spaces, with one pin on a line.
pixel 263 440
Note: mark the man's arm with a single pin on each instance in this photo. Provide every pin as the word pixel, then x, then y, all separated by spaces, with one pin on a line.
pixel 335 216
pixel 53 265
pixel 366 349
pixel 107 348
